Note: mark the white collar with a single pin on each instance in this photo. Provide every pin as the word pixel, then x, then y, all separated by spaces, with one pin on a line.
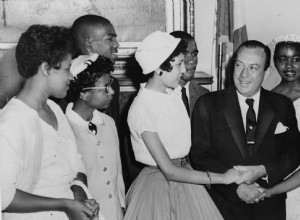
pixel 243 98
pixel 76 118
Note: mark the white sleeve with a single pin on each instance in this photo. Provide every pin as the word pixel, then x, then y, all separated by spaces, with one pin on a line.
pixel 12 155
pixel 142 119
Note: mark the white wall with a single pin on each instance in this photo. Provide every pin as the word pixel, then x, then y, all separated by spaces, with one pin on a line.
pixel 268 18
pixel 204 34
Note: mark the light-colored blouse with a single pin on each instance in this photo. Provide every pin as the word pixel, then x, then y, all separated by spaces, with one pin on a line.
pixel 35 157
pixel 163 113
pixel 101 156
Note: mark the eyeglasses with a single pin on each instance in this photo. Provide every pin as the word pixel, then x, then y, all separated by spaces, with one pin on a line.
pixel 107 88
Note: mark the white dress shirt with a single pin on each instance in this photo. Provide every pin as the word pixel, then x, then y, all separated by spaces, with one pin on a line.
pixel 244 106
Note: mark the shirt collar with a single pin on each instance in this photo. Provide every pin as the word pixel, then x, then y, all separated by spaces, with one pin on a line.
pixel 74 117
pixel 243 98
pixel 168 91
pixel 187 85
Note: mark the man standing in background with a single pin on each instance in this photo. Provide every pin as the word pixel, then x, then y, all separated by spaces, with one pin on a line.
pixel 191 91
pixel 95 34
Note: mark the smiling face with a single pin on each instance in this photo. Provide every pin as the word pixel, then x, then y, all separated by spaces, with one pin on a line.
pixel 104 42
pixel 191 61
pixel 59 79
pixel 100 98
pixel 249 70
pixel 171 79
pixel 287 61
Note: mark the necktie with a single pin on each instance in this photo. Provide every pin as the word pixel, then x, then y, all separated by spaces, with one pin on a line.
pixel 250 125
pixel 185 100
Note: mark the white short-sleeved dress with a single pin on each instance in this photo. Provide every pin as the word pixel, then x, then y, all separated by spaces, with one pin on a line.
pixel 151 196
pixel 26 142
pixel 293 197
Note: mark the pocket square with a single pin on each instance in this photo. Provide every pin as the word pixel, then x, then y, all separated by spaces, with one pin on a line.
pixel 280 128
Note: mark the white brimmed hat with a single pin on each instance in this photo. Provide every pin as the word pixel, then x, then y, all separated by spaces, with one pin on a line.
pixel 82 62
pixel 154 50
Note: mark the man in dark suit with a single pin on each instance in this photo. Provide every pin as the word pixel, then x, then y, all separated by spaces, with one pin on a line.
pixel 246 125
pixel 192 89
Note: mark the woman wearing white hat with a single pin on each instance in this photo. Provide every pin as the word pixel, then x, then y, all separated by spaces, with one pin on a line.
pixel 167 188
pixel 96 133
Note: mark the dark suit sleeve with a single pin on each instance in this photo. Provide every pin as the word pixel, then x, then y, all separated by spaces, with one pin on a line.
pixel 279 168
pixel 202 155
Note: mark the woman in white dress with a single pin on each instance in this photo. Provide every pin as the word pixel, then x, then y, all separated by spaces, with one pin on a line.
pixel 39 160
pixel 167 188
pixel 287 62
pixel 96 133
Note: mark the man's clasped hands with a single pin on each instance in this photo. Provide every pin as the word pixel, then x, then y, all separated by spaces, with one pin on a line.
pixel 248 190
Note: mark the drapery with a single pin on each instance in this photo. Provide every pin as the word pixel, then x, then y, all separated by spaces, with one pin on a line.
pixel 231 31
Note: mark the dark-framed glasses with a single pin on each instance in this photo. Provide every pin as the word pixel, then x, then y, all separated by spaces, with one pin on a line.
pixel 107 88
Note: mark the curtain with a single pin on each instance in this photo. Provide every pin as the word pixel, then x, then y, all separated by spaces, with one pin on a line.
pixel 231 31
pixel 239 29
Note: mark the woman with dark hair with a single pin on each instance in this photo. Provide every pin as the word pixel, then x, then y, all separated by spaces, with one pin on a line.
pixel 95 132
pixel 167 188
pixel 41 170
pixel 287 62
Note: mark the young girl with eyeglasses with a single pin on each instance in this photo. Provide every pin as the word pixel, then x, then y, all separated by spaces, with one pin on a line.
pixel 95 132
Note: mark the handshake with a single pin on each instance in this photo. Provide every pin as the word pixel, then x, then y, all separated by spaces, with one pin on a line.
pixel 248 190
pixel 252 193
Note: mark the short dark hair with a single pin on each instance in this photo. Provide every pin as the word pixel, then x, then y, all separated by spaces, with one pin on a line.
pixel 181 48
pixel 284 44
pixel 82 26
pixel 42 43
pixel 89 77
pixel 256 44
pixel 183 35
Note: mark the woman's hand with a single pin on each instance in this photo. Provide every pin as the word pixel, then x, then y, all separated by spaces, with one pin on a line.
pixel 265 193
pixel 232 175
pixel 80 210
pixel 268 193
pixel 93 206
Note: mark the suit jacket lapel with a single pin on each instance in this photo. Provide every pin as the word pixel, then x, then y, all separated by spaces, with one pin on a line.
pixel 234 119
pixel 193 94
pixel 195 91
pixel 264 119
